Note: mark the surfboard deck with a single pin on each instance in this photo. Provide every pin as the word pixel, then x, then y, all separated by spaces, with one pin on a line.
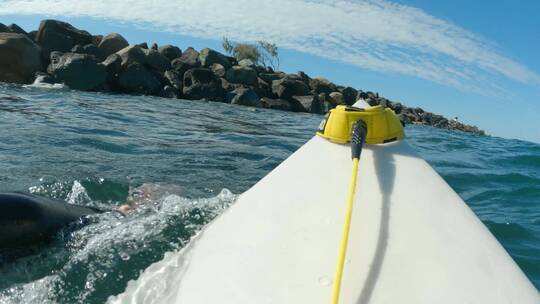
pixel 413 240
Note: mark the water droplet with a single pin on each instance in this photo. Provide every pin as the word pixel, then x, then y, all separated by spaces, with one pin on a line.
pixel 124 256
pixel 325 281
pixel 89 285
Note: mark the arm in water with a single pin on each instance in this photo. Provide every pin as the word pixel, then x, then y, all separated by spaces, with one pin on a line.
pixel 30 220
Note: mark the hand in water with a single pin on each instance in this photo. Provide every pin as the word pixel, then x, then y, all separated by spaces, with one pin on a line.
pixel 124 209
pixel 145 194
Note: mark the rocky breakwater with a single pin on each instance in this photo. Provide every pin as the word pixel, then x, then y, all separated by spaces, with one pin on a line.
pixel 409 115
pixel 60 53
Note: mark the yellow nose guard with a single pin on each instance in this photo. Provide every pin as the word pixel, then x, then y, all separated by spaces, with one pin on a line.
pixel 382 124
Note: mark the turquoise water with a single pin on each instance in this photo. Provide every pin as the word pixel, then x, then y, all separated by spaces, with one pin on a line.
pixel 92 149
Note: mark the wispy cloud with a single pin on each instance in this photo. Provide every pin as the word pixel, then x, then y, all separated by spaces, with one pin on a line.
pixel 373 34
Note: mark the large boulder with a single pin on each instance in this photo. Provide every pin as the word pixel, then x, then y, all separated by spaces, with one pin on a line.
pixel 112 43
pixel 263 89
pixel 439 121
pixel 4 28
pixel 228 87
pixel 286 88
pixel 96 39
pixel 336 98
pixel 93 50
pixel 143 45
pixel 89 49
pixel 327 105
pixel 77 49
pixel 396 107
pixel 132 54
pixel 295 77
pixel 278 104
pixel 362 95
pixel 409 115
pixel 156 61
pixel 170 51
pixel 232 60
pixel 181 67
pixel 174 79
pixel 201 83
pixel 169 92
pixel 218 70
pixel 308 104
pixel 191 57
pixel 137 79
pixel 371 98
pixel 372 102
pixel 207 57
pixel 113 66
pixel 14 28
pixel 304 77
pixel 349 95
pixel 245 97
pixel 262 69
pixel 270 77
pixel 247 63
pixel 406 118
pixel 150 58
pixel 32 35
pixel 242 74
pixel 54 35
pixel 383 101
pixel 321 85
pixel 77 71
pixel 20 58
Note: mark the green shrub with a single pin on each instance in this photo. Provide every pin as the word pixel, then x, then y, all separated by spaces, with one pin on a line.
pixel 263 53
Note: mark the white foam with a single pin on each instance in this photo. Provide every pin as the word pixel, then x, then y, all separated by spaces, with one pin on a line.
pixel 49 86
pixel 96 246
pixel 78 194
pixel 159 282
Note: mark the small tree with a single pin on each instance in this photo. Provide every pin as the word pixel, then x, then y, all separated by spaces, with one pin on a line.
pixel 228 46
pixel 263 53
pixel 269 54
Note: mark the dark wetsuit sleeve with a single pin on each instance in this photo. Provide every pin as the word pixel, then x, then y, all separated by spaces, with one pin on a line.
pixel 29 220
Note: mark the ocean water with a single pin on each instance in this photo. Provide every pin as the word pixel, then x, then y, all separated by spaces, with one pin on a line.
pixel 197 157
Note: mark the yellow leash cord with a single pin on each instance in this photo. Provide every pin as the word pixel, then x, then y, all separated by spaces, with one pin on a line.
pixel 336 287
pixel 350 124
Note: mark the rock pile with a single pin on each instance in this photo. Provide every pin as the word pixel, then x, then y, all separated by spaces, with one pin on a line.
pixel 60 53
pixel 418 115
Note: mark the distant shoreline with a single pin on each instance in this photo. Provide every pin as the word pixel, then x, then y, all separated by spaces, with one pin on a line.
pixel 59 53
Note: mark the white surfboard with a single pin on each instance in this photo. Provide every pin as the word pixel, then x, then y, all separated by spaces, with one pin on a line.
pixel 413 240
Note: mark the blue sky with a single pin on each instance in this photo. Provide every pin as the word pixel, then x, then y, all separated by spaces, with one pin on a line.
pixel 478 60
